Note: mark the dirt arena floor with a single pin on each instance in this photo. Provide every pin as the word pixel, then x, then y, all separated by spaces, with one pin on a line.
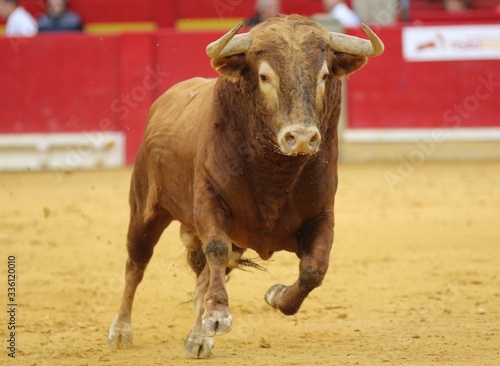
pixel 414 276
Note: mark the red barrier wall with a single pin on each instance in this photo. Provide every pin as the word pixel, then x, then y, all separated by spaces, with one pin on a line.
pixel 77 82
pixel 393 93
pixel 182 56
pixel 57 83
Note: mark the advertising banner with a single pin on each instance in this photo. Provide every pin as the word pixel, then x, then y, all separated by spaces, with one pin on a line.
pixel 451 43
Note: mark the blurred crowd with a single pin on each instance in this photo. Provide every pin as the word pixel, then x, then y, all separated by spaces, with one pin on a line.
pixel 337 14
pixel 57 17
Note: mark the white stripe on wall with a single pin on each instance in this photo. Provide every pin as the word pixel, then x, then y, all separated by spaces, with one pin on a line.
pixel 413 135
pixel 62 151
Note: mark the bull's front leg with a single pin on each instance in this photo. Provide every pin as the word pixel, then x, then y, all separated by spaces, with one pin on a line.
pixel 211 219
pixel 316 239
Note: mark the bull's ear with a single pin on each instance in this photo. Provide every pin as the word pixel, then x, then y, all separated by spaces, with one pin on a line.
pixel 231 67
pixel 345 64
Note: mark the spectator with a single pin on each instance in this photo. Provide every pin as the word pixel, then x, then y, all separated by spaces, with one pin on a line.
pixel 455 6
pixel 340 11
pixel 59 18
pixel 20 23
pixel 265 9
pixel 376 11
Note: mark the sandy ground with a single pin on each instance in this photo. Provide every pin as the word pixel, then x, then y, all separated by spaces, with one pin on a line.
pixel 414 277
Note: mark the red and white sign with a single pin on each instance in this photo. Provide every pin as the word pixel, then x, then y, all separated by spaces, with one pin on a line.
pixel 451 43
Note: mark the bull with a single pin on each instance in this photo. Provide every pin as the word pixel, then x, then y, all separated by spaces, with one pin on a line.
pixel 246 160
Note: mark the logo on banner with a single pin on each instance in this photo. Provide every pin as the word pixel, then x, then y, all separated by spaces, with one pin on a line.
pixel 446 43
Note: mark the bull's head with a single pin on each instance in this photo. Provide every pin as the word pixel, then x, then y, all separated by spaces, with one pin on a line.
pixel 293 65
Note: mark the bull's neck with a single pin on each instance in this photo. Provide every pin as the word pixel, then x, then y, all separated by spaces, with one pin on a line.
pixel 246 140
pixel 248 136
pixel 270 163
pixel 270 175
pixel 248 133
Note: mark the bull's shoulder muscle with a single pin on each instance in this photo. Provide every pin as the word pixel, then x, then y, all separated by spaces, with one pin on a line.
pixel 181 111
pixel 194 91
pixel 177 122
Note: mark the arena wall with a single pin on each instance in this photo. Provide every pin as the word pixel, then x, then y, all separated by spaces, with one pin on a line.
pixel 84 85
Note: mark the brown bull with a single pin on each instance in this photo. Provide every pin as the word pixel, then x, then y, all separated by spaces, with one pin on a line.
pixel 248 160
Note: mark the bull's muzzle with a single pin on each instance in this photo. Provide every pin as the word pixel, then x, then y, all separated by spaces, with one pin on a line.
pixel 297 139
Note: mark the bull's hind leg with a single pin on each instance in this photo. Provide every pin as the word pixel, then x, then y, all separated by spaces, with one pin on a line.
pixel 142 238
pixel 196 344
pixel 143 233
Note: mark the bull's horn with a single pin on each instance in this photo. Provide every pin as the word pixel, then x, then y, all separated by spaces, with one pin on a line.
pixel 230 43
pixel 357 46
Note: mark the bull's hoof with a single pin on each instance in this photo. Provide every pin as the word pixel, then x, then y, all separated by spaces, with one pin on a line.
pixel 198 346
pixel 278 298
pixel 273 294
pixel 120 334
pixel 216 322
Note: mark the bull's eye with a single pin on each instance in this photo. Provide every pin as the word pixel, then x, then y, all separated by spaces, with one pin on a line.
pixel 324 72
pixel 268 84
pixel 321 85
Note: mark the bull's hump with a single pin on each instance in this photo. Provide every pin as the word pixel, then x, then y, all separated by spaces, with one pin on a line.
pixel 190 88
pixel 172 105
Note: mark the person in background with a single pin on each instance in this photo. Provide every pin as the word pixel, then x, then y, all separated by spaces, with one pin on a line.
pixel 265 9
pixel 20 23
pixel 340 11
pixel 59 18
pixel 377 11
pixel 455 6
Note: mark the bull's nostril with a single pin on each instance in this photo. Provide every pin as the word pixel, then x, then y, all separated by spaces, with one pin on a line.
pixel 290 139
pixel 297 139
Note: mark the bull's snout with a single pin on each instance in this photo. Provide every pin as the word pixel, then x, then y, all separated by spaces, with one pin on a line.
pixel 296 139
